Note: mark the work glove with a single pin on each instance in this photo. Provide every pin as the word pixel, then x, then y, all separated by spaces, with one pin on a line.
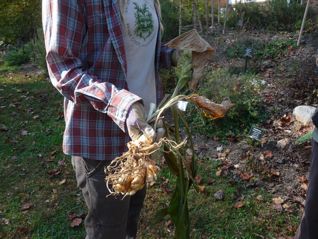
pixel 137 125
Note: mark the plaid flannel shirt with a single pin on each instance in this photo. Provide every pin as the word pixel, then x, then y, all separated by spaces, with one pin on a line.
pixel 86 63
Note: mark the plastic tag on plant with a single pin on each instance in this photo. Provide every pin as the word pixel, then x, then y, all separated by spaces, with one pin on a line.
pixel 255 133
pixel 182 105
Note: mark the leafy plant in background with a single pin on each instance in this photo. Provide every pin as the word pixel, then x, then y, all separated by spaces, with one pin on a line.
pixel 237 49
pixel 17 56
pixel 20 20
pixel 169 10
pixel 260 50
pixel 243 91
pixel 284 15
pixel 273 15
pixel 275 48
pixel 38 53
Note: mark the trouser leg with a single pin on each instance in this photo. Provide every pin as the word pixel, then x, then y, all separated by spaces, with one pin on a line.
pixel 309 224
pixel 107 216
pixel 135 206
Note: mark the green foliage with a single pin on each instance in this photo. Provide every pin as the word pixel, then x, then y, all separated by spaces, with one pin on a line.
pixel 305 138
pixel 274 15
pixel 283 16
pixel 38 53
pixel 275 48
pixel 170 18
pixel 19 20
pixel 33 51
pixel 243 91
pixel 237 50
pixel 251 15
pixel 260 50
pixel 18 56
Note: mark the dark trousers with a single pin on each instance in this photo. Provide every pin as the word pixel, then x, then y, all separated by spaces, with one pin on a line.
pixel 108 217
pixel 309 223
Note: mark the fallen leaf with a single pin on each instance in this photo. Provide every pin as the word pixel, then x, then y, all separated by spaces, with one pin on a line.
pixel 71 216
pixel 282 143
pixel 22 230
pixel 62 182
pixel 54 172
pixel 4 221
pixel 76 222
pixel 53 153
pixel 303 179
pixel 304 186
pixel 246 176
pixel 218 173
pixel 26 206
pixel 259 198
pixel 239 204
pixel 24 133
pixel 36 117
pixel 275 173
pixel 268 154
pixel 201 188
pixel 278 201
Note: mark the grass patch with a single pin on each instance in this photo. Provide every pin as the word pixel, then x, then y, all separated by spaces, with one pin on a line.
pixel 32 166
pixel 215 219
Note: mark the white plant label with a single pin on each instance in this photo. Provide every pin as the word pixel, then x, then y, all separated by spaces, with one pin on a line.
pixel 182 105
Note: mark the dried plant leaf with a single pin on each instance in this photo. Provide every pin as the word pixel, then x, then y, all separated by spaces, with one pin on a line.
pixel 201 53
pixel 211 110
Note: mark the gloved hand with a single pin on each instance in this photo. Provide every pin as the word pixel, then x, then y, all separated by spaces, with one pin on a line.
pixel 137 125
pixel 315 118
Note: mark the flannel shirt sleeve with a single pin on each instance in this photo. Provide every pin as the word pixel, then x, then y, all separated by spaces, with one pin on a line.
pixel 165 60
pixel 64 28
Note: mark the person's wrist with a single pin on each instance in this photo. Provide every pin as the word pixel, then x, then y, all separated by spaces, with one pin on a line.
pixel 175 57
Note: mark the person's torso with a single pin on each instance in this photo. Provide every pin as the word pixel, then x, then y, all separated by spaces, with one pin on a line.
pixel 140 32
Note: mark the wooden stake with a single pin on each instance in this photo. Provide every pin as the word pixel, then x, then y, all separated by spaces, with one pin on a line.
pixel 212 15
pixel 303 23
pixel 225 17
pixel 180 17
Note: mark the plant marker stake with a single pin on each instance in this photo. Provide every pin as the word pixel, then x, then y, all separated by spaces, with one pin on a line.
pixel 255 133
pixel 303 23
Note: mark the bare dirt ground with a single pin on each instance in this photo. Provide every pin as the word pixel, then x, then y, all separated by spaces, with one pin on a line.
pixel 276 161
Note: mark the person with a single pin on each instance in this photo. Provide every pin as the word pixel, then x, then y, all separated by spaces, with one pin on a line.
pixel 308 228
pixel 103 56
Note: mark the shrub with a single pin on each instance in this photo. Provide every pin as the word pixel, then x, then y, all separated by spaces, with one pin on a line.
pixel 243 91
pixel 19 20
pixel 38 51
pixel 248 15
pixel 260 50
pixel 276 48
pixel 237 50
pixel 284 15
pixel 170 18
pixel 273 15
pixel 17 56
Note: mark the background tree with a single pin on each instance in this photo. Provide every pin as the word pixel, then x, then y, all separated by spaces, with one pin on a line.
pixel 20 20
